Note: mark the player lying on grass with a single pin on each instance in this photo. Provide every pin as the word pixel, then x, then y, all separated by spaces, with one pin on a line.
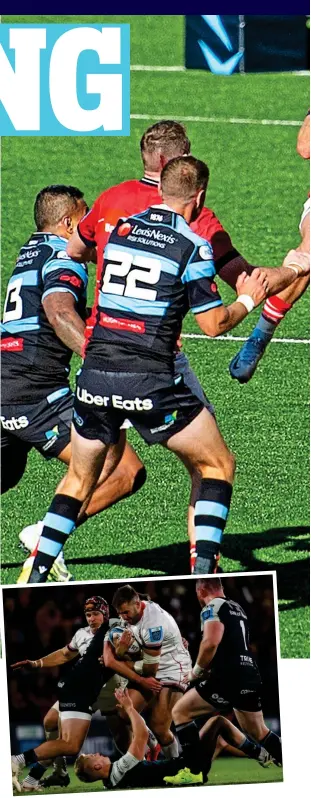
pixel 128 371
pixel 131 771
pixel 162 141
pixel 78 692
pixel 43 323
pixel 226 677
pixel 95 609
pixel 163 655
pixel 244 364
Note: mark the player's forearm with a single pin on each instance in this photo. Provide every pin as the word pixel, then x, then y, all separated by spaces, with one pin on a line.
pixel 279 278
pixel 51 660
pixel 139 732
pixel 69 327
pixel 206 654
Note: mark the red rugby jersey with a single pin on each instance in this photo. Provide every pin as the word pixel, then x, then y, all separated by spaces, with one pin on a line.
pixel 135 196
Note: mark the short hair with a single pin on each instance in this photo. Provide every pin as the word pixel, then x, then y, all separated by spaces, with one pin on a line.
pixel 182 177
pixel 79 770
pixel 125 593
pixel 168 138
pixel 212 584
pixel 54 202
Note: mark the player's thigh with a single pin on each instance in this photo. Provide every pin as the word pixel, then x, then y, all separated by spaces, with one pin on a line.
pixel 201 442
pixel 252 723
pixel 74 730
pixel 162 708
pixel 190 706
pixel 14 454
pixel 87 459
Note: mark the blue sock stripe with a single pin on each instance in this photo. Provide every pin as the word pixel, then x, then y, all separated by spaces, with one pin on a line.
pixel 211 508
pixel 208 533
pixel 59 522
pixel 50 547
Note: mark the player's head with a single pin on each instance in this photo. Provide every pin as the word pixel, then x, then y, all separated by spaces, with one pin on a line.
pixel 92 767
pixel 58 209
pixel 128 604
pixel 206 589
pixel 161 142
pixel 96 611
pixel 183 184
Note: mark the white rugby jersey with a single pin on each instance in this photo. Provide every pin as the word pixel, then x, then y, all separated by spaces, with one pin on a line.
pixel 158 629
pixel 81 640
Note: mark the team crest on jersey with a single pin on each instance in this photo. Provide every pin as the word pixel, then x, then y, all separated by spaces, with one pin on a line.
pixel 205 252
pixel 207 614
pixel 156 634
pixel 124 229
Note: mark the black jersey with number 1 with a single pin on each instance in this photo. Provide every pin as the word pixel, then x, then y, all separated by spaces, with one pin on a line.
pixel 233 656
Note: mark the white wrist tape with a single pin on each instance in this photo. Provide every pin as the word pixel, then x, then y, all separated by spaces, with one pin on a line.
pixel 38 663
pixel 247 301
pixel 149 660
pixel 138 666
pixel 197 670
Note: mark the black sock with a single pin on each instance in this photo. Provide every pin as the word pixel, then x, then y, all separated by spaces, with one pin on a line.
pixel 30 757
pixel 272 743
pixel 37 771
pixel 210 516
pixel 57 525
pixel 251 749
pixel 190 742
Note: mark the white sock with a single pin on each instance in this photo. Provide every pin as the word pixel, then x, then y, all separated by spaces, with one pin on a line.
pixel 171 751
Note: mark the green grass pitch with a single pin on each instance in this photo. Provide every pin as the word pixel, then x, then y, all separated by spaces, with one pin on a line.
pixel 225 770
pixel 257 188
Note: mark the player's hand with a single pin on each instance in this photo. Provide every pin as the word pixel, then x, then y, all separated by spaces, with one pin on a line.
pixel 123 699
pixel 255 285
pixel 300 260
pixel 150 683
pixel 126 639
pixel 27 664
pixel 101 660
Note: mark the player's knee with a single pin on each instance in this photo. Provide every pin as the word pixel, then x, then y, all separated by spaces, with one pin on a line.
pixel 49 722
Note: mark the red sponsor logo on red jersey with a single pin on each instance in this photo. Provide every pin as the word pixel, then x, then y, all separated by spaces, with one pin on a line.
pixel 70 278
pixel 12 345
pixel 130 325
pixel 124 229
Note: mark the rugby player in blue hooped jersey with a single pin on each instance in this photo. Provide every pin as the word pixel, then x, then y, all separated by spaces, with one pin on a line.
pixel 43 323
pixel 155 269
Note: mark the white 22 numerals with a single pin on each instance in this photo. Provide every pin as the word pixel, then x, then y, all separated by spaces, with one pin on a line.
pixel 149 271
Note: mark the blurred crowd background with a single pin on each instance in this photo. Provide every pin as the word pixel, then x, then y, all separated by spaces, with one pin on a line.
pixel 40 621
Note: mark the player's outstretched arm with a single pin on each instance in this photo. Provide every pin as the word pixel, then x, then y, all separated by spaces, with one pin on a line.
pixel 251 292
pixel 212 636
pixel 139 729
pixel 58 657
pixel 66 322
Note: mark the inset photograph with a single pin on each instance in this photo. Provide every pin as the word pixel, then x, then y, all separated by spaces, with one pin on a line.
pixel 143 684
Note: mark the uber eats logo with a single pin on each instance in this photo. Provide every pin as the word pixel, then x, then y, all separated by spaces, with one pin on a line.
pixel 64 80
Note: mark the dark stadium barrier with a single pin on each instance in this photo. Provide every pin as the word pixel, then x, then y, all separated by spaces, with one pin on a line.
pixel 228 43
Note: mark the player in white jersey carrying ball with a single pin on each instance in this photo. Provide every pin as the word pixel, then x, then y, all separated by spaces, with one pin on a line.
pixel 164 656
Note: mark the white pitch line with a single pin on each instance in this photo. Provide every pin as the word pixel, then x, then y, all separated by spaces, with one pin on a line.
pixel 223 120
pixel 181 68
pixel 239 338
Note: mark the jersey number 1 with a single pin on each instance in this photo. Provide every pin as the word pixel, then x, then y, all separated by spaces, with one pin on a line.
pixel 149 271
